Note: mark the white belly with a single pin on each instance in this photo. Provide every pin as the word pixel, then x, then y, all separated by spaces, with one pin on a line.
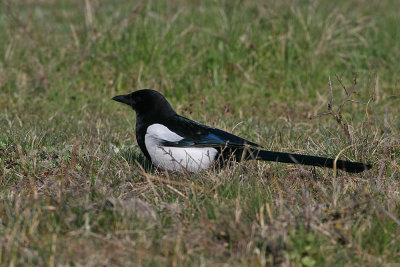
pixel 193 159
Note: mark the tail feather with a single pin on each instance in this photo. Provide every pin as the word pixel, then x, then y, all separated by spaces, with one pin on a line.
pixel 348 166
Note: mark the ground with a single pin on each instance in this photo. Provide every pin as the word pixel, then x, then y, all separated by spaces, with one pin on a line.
pixel 315 77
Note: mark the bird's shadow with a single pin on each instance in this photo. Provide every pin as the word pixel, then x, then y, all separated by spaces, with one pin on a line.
pixel 135 158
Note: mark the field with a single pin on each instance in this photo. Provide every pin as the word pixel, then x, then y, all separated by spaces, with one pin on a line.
pixel 315 77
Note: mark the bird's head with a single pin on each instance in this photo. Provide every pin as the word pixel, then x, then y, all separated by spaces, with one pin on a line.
pixel 146 102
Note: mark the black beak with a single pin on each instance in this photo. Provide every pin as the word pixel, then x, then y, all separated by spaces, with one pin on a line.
pixel 123 99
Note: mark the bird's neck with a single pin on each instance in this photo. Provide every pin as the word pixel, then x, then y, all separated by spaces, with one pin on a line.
pixel 141 128
pixel 143 121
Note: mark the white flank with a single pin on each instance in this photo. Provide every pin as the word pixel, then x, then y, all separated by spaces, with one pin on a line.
pixel 193 159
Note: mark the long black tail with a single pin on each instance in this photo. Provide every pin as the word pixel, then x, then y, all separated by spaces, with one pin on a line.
pixel 347 166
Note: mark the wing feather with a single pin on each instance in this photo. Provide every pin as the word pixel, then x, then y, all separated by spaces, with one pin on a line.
pixel 198 135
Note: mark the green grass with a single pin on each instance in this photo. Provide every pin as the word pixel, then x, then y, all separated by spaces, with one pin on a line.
pixel 75 190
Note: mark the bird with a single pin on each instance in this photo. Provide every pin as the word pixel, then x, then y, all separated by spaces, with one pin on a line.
pixel 175 143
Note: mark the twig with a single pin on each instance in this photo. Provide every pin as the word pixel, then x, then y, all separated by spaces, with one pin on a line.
pixel 387 213
pixel 337 114
pixel 341 83
pixel 330 105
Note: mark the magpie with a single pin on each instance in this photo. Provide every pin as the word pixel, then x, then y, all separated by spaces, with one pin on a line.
pixel 176 143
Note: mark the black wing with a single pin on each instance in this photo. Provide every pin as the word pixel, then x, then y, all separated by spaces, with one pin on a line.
pixel 199 135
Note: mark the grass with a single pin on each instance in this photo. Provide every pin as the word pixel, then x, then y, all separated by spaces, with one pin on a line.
pixel 75 190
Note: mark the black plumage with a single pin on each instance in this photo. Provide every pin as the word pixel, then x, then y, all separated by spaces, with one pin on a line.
pixel 152 109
